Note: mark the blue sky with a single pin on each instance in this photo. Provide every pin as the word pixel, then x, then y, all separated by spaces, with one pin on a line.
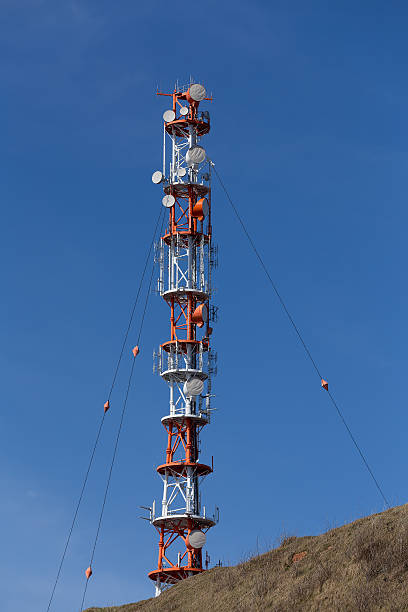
pixel 309 132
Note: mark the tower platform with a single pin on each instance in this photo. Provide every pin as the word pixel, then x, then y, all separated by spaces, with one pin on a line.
pixel 198 419
pixel 179 468
pixel 183 521
pixel 171 575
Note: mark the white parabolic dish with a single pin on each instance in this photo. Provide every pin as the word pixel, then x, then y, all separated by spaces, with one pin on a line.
pixel 169 115
pixel 183 110
pixel 196 538
pixel 195 155
pixel 197 92
pixel 194 386
pixel 157 177
pixel 168 201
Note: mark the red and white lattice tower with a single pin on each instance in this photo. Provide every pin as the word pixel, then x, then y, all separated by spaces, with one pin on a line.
pixel 185 361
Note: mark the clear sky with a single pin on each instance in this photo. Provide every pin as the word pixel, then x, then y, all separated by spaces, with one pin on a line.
pixel 309 131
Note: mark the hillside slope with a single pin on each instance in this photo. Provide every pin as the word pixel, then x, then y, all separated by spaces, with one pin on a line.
pixel 362 566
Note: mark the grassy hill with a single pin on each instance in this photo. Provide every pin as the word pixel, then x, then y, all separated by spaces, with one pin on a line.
pixel 362 566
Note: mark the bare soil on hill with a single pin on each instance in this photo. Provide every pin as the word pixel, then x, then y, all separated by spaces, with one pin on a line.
pixel 360 567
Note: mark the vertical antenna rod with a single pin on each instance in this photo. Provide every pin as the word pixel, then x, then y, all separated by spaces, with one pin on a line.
pixel 185 361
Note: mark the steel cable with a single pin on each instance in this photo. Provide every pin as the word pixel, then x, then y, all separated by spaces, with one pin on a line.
pixel 307 350
pixel 104 414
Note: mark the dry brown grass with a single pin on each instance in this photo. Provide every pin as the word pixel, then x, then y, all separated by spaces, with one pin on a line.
pixel 362 566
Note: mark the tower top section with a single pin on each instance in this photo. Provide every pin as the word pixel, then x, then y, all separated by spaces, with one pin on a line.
pixel 185 125
pixel 193 94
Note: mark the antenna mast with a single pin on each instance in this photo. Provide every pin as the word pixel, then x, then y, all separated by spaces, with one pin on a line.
pixel 185 361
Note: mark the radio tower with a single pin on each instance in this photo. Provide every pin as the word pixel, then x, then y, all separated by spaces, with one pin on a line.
pixel 185 361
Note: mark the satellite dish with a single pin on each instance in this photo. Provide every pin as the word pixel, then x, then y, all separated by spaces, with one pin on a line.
pixel 194 386
pixel 201 209
pixel 182 171
pixel 157 177
pixel 184 110
pixel 196 539
pixel 195 155
pixel 169 115
pixel 204 313
pixel 197 92
pixel 206 208
pixel 168 201
pixel 200 315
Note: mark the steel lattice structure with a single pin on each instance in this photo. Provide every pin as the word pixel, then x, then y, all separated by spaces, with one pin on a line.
pixel 186 362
